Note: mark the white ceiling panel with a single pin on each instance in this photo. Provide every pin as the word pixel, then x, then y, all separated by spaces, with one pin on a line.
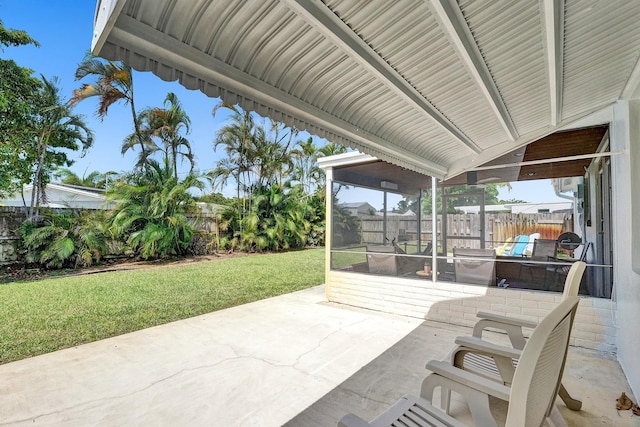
pixel 513 55
pixel 602 42
pixel 431 85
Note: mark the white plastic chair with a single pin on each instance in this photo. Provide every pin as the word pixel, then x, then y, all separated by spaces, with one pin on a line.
pixel 531 396
pixel 498 363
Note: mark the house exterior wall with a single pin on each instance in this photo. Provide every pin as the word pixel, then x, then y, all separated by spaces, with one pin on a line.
pixel 625 137
pixel 458 304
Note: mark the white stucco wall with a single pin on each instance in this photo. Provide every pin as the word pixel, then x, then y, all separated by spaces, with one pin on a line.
pixel 625 136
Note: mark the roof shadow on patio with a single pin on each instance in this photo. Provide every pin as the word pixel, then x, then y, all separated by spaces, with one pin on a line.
pixel 400 370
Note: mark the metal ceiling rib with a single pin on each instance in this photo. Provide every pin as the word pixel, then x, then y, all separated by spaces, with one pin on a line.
pixel 406 35
pixel 435 86
pixel 553 35
pixel 454 25
pixel 327 24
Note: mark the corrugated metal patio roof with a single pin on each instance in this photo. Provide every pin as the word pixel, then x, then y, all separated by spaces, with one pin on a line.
pixel 434 86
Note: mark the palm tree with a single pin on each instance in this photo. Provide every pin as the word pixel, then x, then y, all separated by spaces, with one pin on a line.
pixel 114 83
pixel 261 157
pixel 225 170
pixel 238 141
pixel 57 128
pixel 330 149
pixel 94 179
pixel 167 125
pixel 280 161
pixel 272 154
pixel 306 171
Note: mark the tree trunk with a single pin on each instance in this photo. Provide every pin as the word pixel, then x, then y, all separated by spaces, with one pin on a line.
pixel 175 161
pixel 136 125
pixel 35 189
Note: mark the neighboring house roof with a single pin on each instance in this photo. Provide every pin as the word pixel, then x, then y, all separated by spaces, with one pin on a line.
pixel 517 208
pixel 211 208
pixel 74 196
pixel 390 213
pixel 541 207
pixel 354 205
pixel 94 190
pixel 358 208
pixel 61 196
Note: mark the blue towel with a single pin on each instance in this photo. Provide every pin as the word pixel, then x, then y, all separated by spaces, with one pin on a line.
pixel 520 245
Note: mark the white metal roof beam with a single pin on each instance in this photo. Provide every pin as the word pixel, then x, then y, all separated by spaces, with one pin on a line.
pixel 334 29
pixel 455 26
pixel 553 12
pixel 631 87
pixel 547 161
pixel 630 90
pixel 157 46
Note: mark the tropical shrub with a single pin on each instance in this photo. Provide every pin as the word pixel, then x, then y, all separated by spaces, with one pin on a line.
pixel 277 218
pixel 202 243
pixel 276 221
pixel 316 217
pixel 151 211
pixel 74 238
pixel 229 224
pixel 346 227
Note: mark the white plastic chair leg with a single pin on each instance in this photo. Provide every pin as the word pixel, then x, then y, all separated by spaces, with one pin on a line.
pixel 572 403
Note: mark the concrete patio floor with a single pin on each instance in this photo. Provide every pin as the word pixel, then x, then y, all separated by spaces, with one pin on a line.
pixel 291 360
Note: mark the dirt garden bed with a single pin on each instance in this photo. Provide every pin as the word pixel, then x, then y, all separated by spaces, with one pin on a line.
pixel 18 272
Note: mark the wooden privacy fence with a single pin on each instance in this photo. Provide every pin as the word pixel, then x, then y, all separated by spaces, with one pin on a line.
pixel 498 228
pixel 549 225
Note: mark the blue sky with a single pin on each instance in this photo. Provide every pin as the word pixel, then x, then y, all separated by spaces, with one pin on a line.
pixel 64 30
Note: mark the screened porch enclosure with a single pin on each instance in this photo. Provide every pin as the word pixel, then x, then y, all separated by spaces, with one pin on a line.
pixel 383 221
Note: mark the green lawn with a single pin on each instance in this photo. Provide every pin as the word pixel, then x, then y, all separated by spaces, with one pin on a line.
pixel 47 315
pixel 350 256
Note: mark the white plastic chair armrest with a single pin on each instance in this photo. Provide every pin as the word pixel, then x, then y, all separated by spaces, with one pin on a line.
pixel 511 325
pixel 481 346
pixel 507 320
pixel 468 379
